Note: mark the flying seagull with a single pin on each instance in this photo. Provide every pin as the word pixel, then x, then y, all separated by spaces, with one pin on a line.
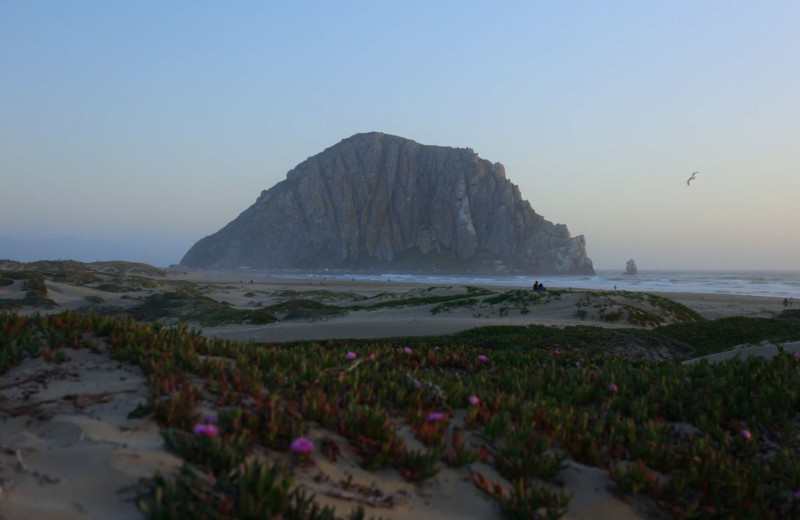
pixel 690 179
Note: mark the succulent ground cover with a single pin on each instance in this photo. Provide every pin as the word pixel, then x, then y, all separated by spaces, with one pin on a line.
pixel 691 441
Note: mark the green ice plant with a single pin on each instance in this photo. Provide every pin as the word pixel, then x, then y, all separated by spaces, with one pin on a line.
pixel 532 500
pixel 559 395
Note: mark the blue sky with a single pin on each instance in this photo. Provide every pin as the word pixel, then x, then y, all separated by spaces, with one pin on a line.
pixel 153 124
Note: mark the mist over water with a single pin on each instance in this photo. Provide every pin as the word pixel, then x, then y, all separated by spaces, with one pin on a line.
pixel 753 283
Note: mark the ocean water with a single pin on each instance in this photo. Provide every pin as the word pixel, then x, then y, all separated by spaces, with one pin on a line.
pixel 754 283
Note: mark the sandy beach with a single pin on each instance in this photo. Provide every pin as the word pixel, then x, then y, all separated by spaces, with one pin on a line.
pixel 418 321
pixel 70 449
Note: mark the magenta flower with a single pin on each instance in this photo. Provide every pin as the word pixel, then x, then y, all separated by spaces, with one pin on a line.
pixel 435 416
pixel 473 400
pixel 612 387
pixel 302 446
pixel 482 358
pixel 351 355
pixel 207 430
pixel 797 355
pixel 746 434
pixel 372 356
pixel 408 350
pixel 797 495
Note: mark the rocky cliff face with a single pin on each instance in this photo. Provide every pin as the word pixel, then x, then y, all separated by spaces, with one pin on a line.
pixel 381 201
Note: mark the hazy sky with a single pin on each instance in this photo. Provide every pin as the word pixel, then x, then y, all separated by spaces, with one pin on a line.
pixel 156 123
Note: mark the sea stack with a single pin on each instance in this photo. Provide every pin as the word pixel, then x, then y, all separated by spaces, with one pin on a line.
pixel 630 267
pixel 378 201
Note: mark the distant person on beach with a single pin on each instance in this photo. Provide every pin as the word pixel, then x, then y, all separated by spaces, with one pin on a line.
pixel 536 285
pixel 786 302
pixel 791 301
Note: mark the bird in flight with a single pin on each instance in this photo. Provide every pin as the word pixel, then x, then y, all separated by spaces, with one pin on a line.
pixel 690 179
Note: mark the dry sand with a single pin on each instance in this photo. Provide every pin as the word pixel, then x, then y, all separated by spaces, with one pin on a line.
pixel 67 447
pixel 69 451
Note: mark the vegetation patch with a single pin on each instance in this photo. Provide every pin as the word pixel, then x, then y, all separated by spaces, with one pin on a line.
pixel 526 401
pixel 714 336
pixel 789 314
pixel 303 309
pixel 127 284
pixel 640 309
pixel 131 267
pixel 174 306
pixel 455 304
pixel 320 295
pixel 412 301
pixel 680 312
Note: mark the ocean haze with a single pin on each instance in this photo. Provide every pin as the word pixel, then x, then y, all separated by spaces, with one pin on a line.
pixel 154 124
pixel 147 251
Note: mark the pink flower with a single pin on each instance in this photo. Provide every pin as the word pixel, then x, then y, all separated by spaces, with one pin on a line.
pixel 797 355
pixel 351 355
pixel 372 356
pixel 408 350
pixel 797 495
pixel 612 387
pixel 341 377
pixel 473 400
pixel 482 358
pixel 207 430
pixel 302 446
pixel 435 416
pixel 746 434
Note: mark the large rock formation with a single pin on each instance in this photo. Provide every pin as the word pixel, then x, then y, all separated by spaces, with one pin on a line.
pixel 378 201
